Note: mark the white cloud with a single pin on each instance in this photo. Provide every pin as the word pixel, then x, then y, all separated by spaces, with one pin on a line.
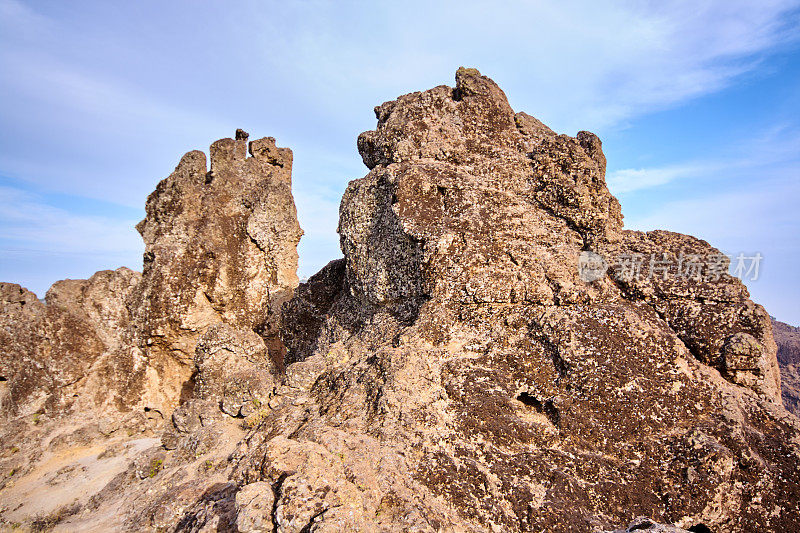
pixel 31 225
pixel 582 64
pixel 748 159
pixel 634 179
pixel 747 216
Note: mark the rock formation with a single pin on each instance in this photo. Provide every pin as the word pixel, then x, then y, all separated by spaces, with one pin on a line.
pixel 108 359
pixel 221 247
pixel 495 352
pixel 73 351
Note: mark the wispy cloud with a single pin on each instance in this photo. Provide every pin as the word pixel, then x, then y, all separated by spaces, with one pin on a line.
pixel 748 159
pixel 29 224
pixel 580 64
pixel 634 179
pixel 745 217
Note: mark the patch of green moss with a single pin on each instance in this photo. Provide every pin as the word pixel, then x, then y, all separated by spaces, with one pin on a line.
pixel 156 465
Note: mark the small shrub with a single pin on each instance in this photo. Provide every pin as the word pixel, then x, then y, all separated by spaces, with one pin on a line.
pixel 46 523
pixel 256 418
pixel 156 465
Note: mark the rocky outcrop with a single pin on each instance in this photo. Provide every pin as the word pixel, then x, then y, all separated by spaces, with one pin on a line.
pixel 688 286
pixel 221 250
pixel 197 333
pixel 788 340
pixel 71 351
pixel 466 355
pixel 495 352
pixel 220 247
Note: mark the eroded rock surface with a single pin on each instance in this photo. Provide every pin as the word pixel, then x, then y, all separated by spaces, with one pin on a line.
pixel 71 351
pixel 456 370
pixel 645 524
pixel 221 247
pixel 116 354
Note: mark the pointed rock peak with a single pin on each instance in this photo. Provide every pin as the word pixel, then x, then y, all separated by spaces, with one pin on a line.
pixel 220 246
pixel 442 123
pixel 470 82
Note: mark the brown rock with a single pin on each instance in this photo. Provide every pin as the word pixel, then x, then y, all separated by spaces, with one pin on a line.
pixel 645 524
pixel 457 370
pixel 112 356
pixel 72 352
pixel 254 507
pixel 710 312
pixel 526 398
pixel 233 369
pixel 221 247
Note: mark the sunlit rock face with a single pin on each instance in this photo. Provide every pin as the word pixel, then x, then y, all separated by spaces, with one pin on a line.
pixel 71 351
pixel 494 352
pixel 220 247
pixel 519 395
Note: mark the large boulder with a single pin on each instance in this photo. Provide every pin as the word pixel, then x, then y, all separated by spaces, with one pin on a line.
pixel 233 370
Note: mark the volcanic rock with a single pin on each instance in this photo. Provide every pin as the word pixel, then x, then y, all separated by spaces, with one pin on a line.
pixel 495 352
pixel 71 351
pixel 220 247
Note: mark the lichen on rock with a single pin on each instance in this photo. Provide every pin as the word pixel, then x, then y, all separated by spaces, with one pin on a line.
pixel 454 371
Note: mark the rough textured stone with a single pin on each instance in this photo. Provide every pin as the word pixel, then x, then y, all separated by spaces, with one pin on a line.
pixel 526 398
pixel 220 247
pixel 233 369
pixel 456 371
pixel 72 352
pixel 645 524
pixel 111 357
pixel 254 507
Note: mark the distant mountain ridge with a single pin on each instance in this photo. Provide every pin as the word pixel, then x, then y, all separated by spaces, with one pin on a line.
pixel 788 340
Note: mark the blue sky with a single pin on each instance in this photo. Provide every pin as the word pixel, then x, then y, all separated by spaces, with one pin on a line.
pixel 697 103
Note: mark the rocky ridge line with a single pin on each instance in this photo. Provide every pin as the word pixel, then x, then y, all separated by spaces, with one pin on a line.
pixel 453 372
pixel 788 340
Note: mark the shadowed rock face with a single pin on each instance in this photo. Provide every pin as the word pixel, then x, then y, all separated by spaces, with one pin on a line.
pixel 788 340
pixel 456 371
